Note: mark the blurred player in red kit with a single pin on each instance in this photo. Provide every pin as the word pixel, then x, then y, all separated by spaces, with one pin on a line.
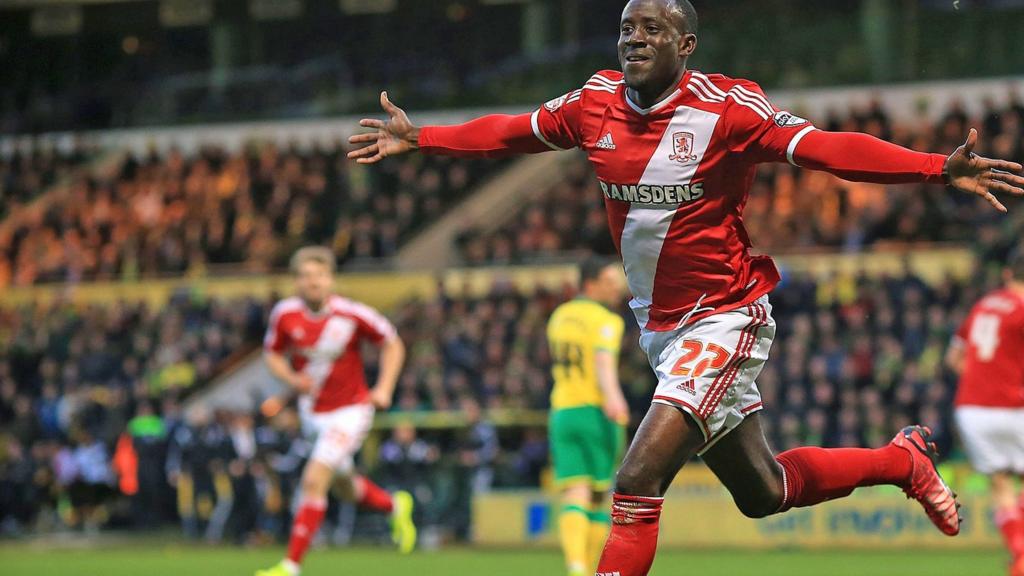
pixel 988 352
pixel 675 151
pixel 312 344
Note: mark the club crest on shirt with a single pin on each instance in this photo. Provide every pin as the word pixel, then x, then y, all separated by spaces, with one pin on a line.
pixel 682 148
pixel 555 103
pixel 784 119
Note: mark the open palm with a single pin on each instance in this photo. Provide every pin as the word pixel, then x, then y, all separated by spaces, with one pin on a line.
pixel 393 136
pixel 975 174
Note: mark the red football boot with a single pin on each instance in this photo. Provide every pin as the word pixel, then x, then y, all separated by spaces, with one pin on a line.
pixel 1017 567
pixel 925 485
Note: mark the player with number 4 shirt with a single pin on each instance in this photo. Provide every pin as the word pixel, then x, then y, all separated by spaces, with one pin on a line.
pixel 986 351
pixel 675 152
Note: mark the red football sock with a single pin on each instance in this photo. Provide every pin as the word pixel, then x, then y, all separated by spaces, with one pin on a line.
pixel 307 522
pixel 1011 524
pixel 373 497
pixel 814 475
pixel 629 550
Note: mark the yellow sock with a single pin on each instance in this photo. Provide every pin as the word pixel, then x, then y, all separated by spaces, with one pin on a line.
pixel 600 526
pixel 574 531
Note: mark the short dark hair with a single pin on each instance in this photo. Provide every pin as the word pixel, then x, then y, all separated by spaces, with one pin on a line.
pixel 689 14
pixel 591 268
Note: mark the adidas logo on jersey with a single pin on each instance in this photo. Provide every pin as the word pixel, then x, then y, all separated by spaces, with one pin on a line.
pixel 688 387
pixel 606 143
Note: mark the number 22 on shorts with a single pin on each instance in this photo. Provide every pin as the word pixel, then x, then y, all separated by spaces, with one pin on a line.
pixel 715 359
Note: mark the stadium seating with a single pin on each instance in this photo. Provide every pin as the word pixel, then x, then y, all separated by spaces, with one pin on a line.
pixel 172 213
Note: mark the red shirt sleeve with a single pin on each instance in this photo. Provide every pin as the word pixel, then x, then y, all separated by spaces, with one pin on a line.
pixel 553 126
pixel 373 325
pixel 276 338
pixel 754 126
pixel 864 158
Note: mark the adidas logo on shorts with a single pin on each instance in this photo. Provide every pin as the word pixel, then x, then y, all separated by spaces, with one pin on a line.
pixel 606 143
pixel 688 387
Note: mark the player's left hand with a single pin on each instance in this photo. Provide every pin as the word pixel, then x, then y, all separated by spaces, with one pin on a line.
pixel 380 398
pixel 968 172
pixel 393 136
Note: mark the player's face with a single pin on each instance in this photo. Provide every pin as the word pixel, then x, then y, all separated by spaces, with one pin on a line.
pixel 313 282
pixel 652 51
pixel 611 286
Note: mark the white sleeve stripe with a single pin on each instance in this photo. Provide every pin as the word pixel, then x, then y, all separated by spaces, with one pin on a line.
pixel 765 111
pixel 536 131
pixel 599 88
pixel 757 97
pixel 796 140
pixel 602 79
pixel 700 96
pixel 708 84
pixel 708 88
pixel 740 101
pixel 703 94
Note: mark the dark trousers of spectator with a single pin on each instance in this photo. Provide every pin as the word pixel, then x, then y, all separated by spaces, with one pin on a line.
pixel 245 507
pixel 148 504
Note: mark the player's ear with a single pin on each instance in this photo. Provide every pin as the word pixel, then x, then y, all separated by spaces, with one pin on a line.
pixel 687 45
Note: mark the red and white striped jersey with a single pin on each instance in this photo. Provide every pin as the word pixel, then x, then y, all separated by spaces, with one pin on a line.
pixel 325 346
pixel 675 178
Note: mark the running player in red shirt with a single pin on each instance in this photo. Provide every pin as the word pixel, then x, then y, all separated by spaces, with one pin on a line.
pixel 312 344
pixel 987 351
pixel 675 152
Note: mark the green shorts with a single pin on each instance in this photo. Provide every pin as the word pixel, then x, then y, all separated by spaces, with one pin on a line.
pixel 585 446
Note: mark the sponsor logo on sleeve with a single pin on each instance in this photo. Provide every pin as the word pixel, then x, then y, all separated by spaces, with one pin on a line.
pixel 555 103
pixel 784 119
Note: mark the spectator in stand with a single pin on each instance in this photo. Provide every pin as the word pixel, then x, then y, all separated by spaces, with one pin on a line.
pixel 175 213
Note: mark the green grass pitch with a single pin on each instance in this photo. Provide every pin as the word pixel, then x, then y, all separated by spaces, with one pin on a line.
pixel 151 559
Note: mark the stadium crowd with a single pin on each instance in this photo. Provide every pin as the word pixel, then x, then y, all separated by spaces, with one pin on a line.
pixel 174 212
pixel 91 400
pixel 790 208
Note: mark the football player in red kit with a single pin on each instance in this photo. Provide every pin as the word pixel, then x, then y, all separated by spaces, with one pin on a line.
pixel 312 344
pixel 987 352
pixel 675 151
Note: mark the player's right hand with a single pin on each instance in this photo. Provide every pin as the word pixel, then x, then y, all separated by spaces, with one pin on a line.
pixel 396 135
pixel 616 410
pixel 302 383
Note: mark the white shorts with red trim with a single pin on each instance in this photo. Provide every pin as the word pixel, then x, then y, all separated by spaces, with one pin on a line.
pixel 708 369
pixel 993 438
pixel 337 435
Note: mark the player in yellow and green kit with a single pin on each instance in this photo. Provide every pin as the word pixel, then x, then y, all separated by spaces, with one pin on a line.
pixel 588 410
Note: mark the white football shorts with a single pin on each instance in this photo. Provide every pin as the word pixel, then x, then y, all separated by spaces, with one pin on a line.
pixel 337 435
pixel 993 438
pixel 708 368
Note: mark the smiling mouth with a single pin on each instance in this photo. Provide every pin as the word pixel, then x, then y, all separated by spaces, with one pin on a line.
pixel 634 58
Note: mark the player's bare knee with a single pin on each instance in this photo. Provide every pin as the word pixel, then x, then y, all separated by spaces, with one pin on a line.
pixel 636 482
pixel 316 480
pixel 764 503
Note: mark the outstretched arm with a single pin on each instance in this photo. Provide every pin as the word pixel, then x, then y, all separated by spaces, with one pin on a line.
pixel 864 158
pixel 490 136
